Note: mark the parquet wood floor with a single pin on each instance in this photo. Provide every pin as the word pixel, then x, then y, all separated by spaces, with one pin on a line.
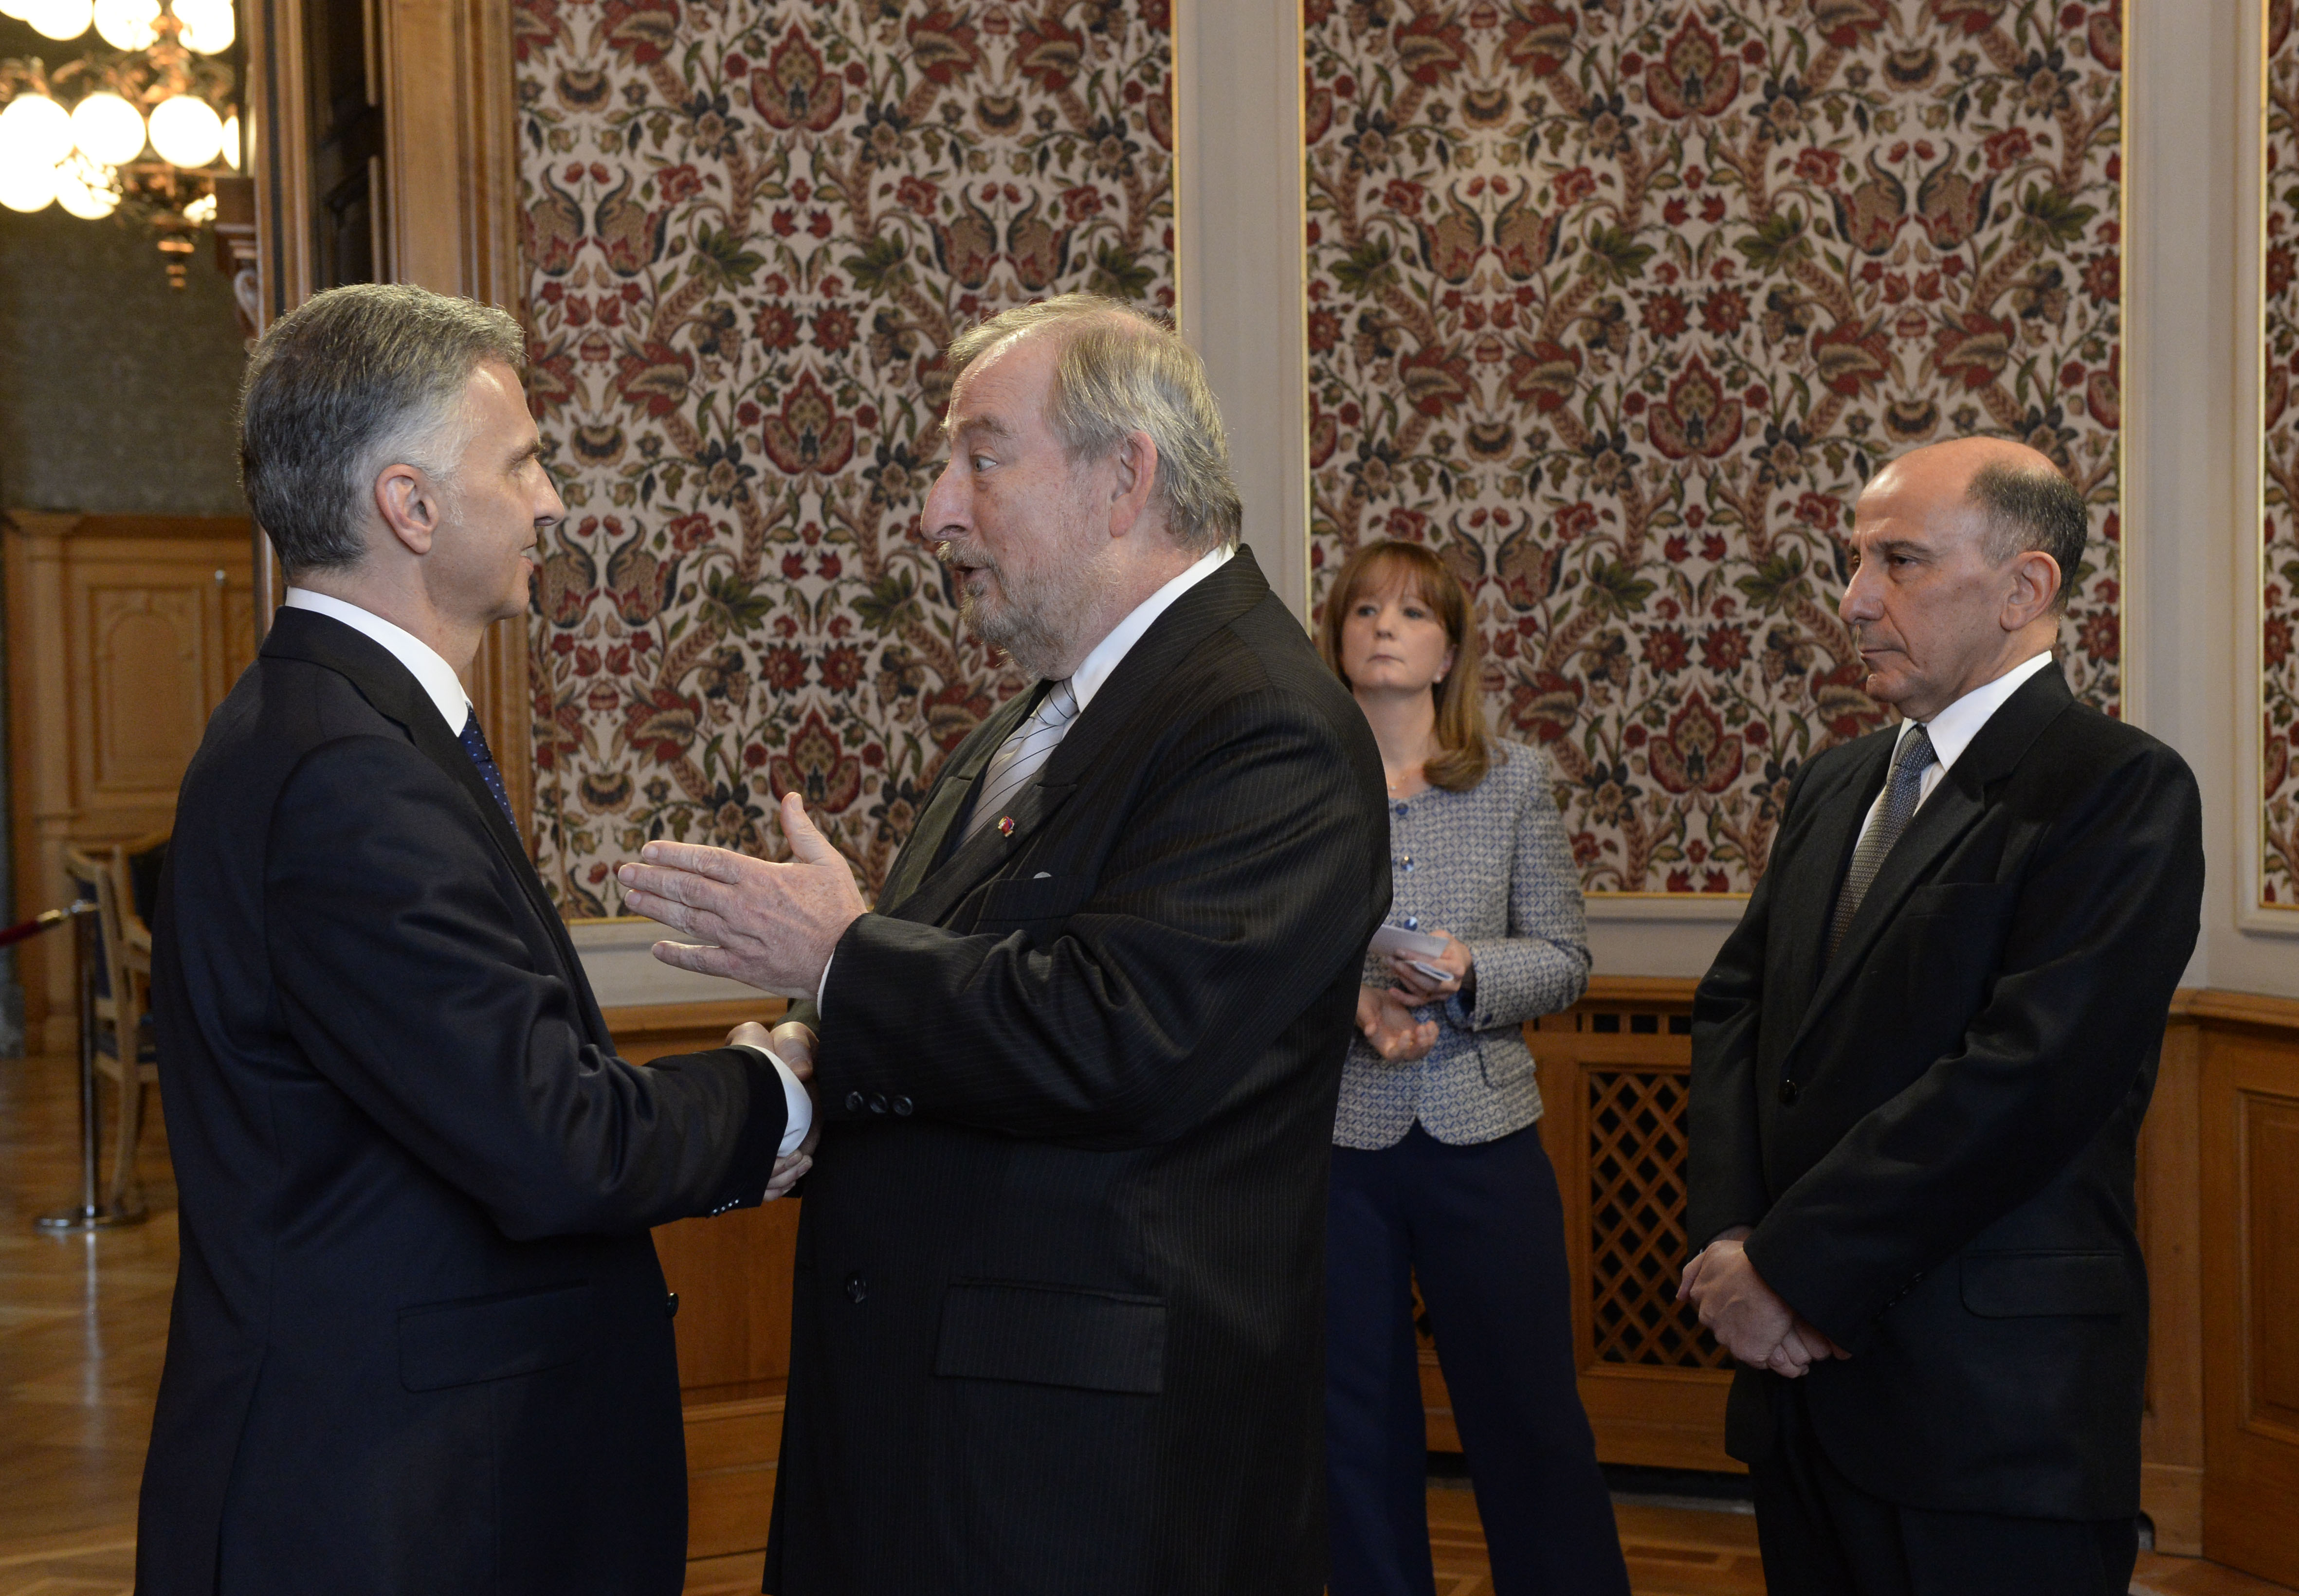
pixel 83 1323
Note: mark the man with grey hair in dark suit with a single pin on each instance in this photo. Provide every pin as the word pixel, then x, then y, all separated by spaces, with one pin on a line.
pixel 1919 1067
pixel 1059 1286
pixel 420 1342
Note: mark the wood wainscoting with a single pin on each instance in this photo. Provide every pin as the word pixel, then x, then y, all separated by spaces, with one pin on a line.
pixel 2219 1200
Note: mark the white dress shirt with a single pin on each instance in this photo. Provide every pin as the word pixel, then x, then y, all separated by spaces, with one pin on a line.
pixel 445 688
pixel 1102 662
pixel 1953 729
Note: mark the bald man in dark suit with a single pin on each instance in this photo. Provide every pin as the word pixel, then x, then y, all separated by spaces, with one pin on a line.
pixel 1919 1066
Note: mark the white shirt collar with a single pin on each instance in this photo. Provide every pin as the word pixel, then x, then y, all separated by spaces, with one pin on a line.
pixel 1953 729
pixel 438 677
pixel 1088 678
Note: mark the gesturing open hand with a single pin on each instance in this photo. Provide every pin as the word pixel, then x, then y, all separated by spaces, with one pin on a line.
pixel 769 926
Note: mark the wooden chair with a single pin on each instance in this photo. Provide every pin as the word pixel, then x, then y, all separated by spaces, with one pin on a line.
pixel 125 1052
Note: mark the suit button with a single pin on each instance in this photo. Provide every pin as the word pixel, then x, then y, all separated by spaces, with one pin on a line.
pixel 857 1288
pixel 1789 1092
pixel 670 1306
pixel 878 1102
pixel 854 1103
pixel 902 1106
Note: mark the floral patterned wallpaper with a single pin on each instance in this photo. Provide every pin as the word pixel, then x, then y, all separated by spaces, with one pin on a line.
pixel 1620 304
pixel 2279 862
pixel 750 230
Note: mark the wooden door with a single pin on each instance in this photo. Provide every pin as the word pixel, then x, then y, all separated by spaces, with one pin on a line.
pixel 124 634
pixel 2251 1300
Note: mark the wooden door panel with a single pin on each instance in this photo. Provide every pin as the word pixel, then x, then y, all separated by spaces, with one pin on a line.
pixel 2251 1302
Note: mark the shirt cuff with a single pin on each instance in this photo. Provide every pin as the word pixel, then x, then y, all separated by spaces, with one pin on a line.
pixel 822 984
pixel 799 1106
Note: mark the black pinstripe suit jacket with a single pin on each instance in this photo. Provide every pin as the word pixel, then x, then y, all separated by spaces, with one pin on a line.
pixel 1060 1288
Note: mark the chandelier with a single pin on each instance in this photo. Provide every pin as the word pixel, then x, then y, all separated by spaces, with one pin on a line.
pixel 144 128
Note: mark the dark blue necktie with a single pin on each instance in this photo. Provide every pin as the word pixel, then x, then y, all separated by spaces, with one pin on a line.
pixel 475 744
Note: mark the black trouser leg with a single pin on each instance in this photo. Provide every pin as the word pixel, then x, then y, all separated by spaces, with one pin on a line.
pixel 1489 1250
pixel 1376 1446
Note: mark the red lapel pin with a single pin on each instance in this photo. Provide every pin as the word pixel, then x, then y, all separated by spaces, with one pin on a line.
pixel 1006 826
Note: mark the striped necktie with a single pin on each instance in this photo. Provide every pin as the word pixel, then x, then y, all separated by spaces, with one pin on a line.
pixel 1901 788
pixel 1023 754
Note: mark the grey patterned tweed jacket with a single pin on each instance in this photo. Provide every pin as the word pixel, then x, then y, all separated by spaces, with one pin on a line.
pixel 1491 866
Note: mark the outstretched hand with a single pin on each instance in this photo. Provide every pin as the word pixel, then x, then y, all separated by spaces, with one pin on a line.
pixel 769 926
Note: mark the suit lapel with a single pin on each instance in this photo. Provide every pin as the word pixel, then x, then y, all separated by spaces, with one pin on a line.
pixel 1808 889
pixel 1955 805
pixel 1131 692
pixel 396 694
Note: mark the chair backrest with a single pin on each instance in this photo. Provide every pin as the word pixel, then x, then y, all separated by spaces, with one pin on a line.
pixel 123 970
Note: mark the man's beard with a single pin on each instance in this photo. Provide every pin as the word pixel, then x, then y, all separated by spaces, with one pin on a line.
pixel 1036 617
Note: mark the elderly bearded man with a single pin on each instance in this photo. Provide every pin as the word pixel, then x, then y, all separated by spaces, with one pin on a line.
pixel 1058 1310
pixel 1919 1067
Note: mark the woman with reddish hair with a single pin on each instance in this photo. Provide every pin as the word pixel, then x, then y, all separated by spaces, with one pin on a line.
pixel 1438 1173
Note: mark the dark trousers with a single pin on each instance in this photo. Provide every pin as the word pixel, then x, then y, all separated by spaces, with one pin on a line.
pixel 1822 1535
pixel 1481 1230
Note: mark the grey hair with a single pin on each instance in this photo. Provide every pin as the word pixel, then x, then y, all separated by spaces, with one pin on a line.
pixel 2034 508
pixel 351 381
pixel 1120 372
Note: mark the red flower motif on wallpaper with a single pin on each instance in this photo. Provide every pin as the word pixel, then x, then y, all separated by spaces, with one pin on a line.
pixel 1699 418
pixel 809 435
pixel 1694 76
pixel 795 90
pixel 1699 755
pixel 816 768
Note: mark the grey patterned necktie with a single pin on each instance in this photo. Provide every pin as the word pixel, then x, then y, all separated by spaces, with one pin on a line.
pixel 1023 754
pixel 1902 788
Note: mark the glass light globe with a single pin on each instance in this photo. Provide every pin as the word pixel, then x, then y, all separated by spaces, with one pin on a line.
pixel 107 129
pixel 59 19
pixel 34 131
pixel 85 189
pixel 127 24
pixel 25 184
pixel 17 9
pixel 209 25
pixel 185 130
pixel 231 141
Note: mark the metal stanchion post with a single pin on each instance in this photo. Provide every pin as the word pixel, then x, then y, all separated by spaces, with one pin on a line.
pixel 88 1214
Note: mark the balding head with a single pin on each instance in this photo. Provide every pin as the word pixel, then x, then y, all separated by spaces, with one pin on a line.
pixel 2028 501
pixel 1967 550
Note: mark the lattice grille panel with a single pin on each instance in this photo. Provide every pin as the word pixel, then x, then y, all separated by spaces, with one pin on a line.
pixel 1637 1143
